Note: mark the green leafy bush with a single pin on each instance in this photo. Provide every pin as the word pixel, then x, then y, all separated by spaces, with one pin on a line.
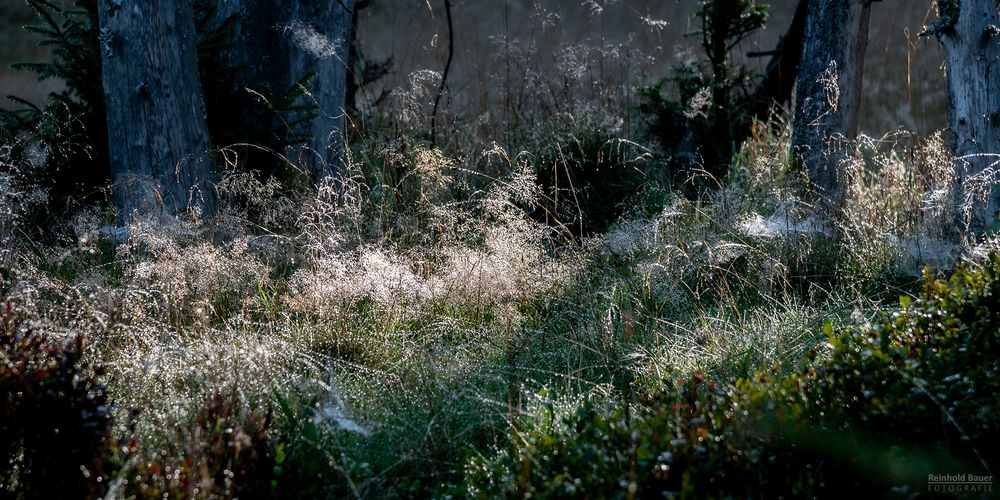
pixel 918 391
pixel 608 451
pixel 304 466
pixel 694 439
pixel 885 407
pixel 55 420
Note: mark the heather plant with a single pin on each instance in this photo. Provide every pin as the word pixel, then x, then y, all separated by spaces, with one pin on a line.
pixel 226 451
pixel 56 419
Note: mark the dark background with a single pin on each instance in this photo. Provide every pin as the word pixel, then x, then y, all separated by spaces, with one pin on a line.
pixel 904 77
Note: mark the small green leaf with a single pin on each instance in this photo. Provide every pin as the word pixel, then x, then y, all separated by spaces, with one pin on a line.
pixel 279 457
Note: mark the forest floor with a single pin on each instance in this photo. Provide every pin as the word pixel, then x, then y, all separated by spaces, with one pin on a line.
pixel 426 313
pixel 532 307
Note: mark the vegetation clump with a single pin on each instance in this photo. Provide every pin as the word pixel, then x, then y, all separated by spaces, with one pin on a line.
pixel 872 410
pixel 56 425
pixel 709 106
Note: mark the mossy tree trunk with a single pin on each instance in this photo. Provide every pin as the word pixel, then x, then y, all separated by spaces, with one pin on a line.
pixel 969 33
pixel 828 94
pixel 157 132
pixel 276 44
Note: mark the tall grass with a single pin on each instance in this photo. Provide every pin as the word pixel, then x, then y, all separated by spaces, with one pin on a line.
pixel 423 306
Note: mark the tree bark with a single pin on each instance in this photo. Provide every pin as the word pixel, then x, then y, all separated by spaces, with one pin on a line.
pixel 317 37
pixel 355 70
pixel 828 94
pixel 157 133
pixel 277 43
pixel 968 32
pixel 779 78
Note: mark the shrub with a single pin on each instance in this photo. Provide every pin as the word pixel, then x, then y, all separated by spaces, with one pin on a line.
pixel 57 433
pixel 304 467
pixel 591 178
pixel 694 439
pixel 225 452
pixel 55 420
pixel 606 450
pixel 705 117
pixel 884 408
pixel 918 390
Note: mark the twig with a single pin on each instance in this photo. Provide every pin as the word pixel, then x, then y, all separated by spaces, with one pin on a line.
pixel 444 76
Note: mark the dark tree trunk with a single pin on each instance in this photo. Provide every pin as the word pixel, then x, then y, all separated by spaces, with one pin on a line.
pixel 316 39
pixel 276 44
pixel 828 94
pixel 968 32
pixel 157 134
pixel 779 78
pixel 354 81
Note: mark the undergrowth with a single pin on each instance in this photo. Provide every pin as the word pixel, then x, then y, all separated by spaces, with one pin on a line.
pixel 538 306
pixel 410 335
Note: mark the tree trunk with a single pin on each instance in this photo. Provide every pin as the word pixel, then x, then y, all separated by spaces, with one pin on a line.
pixel 354 60
pixel 968 32
pixel 157 134
pixel 316 38
pixel 779 78
pixel 828 94
pixel 277 43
